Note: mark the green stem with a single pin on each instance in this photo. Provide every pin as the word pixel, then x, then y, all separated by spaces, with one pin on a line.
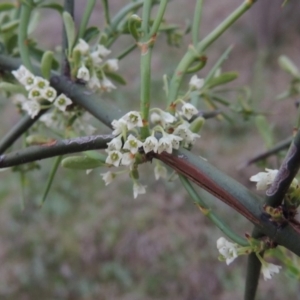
pixel 110 30
pixel 89 6
pixel 253 270
pixel 232 193
pixel 99 108
pixel 217 65
pixel 146 17
pixel 58 147
pixel 159 16
pixel 26 9
pixel 106 11
pixel 197 21
pixel 126 51
pixel 191 54
pixel 145 89
pixel 212 216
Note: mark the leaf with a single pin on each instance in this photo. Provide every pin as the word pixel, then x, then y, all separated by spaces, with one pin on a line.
pixel 7 6
pixel 70 30
pixel 54 6
pixel 46 64
pixel 265 130
pixel 38 55
pixel 10 26
pixel 91 33
pixel 287 65
pixel 51 178
pixel 222 79
pixel 116 77
pixel 81 163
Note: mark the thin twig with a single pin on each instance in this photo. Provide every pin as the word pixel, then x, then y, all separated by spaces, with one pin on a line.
pixel 54 148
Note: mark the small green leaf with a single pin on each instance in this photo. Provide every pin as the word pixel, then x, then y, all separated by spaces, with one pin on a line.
pixel 12 88
pixel 91 33
pixel 287 65
pixel 265 130
pixel 134 23
pixel 10 26
pixel 70 30
pixel 95 155
pixel 38 54
pixel 46 64
pixel 6 6
pixel 116 77
pixel 222 79
pixel 54 6
pixel 197 124
pixel 81 163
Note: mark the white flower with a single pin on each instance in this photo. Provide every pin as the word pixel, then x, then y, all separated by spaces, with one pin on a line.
pixel 25 77
pixel 114 157
pixel 62 101
pixel 167 117
pixel 49 93
pixel 164 144
pixel 138 189
pixel 162 118
pixel 96 59
pixel 132 144
pixel 269 269
pixel 264 179
pixel 175 140
pixel 106 85
pixel 40 82
pixel 160 172
pixel 21 73
pixel 48 119
pixel 94 83
pixel 108 177
pixel 186 134
pixel 102 51
pixel 191 138
pixel 98 54
pixel 112 65
pixel 119 126
pixel 188 110
pixel 32 107
pixel 83 73
pixel 133 119
pixel 150 144
pixel 82 46
pixel 36 94
pixel 227 250
pixel 115 144
pixel 155 118
pixel 196 83
pixel 128 159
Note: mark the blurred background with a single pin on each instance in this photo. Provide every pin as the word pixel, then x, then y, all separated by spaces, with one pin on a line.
pixel 89 241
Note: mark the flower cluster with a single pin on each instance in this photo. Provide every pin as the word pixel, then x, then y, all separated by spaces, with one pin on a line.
pixel 91 67
pixel 38 90
pixel 230 251
pixel 168 133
